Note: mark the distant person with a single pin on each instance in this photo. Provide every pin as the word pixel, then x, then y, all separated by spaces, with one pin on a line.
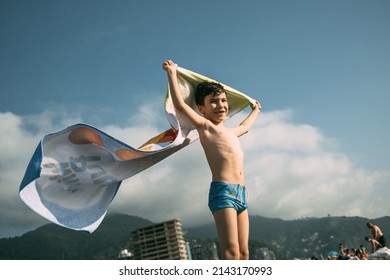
pixel 359 254
pixel 375 245
pixel 377 234
pixel 364 251
pixel 343 253
pixel 353 255
pixel 341 250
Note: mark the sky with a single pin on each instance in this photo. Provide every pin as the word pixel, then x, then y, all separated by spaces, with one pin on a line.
pixel 321 70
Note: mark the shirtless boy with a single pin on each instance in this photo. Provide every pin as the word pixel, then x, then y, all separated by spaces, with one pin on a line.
pixel 227 196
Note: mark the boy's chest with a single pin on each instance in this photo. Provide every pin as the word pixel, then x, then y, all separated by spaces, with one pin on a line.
pixel 220 138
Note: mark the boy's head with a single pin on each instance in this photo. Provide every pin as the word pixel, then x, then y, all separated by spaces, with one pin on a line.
pixel 205 89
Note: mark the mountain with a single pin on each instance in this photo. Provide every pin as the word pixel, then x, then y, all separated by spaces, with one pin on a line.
pixel 289 239
pixel 307 237
pixel 53 242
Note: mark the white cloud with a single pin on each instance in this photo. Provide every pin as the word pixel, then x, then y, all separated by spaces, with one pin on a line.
pixel 16 147
pixel 296 172
pixel 292 171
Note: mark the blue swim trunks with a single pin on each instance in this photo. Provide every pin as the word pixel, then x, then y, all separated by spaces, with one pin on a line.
pixel 224 195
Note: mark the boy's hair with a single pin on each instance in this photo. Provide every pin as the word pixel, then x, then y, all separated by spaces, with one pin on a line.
pixel 205 89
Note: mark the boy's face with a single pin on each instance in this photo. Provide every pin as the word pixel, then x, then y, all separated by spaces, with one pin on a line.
pixel 215 107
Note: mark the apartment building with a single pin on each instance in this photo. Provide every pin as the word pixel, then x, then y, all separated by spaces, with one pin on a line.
pixel 163 241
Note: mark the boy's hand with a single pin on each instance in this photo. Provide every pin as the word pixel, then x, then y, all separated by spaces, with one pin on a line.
pixel 257 106
pixel 169 66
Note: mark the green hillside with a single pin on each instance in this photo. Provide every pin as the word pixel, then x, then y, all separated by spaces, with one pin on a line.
pixel 288 239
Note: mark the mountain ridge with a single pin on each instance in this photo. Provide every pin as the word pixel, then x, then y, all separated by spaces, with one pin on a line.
pixel 291 239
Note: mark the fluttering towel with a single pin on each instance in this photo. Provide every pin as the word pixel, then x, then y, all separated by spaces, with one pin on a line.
pixel 75 173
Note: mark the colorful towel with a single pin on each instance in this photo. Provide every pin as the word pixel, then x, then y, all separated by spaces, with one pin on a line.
pixel 75 173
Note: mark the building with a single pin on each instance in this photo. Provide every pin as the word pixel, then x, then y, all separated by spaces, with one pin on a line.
pixel 163 241
pixel 263 254
pixel 125 255
pixel 204 251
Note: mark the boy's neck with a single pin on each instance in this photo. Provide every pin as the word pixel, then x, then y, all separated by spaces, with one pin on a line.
pixel 219 124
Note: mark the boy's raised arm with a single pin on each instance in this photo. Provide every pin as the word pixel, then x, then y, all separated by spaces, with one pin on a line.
pixel 176 96
pixel 247 124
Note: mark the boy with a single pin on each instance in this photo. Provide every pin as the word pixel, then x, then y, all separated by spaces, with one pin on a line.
pixel 227 196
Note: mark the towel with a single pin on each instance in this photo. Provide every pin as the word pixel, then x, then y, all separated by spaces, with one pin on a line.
pixel 75 173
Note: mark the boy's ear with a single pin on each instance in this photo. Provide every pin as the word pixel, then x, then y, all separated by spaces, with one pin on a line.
pixel 200 108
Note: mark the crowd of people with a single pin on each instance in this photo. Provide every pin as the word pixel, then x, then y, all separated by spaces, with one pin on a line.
pixel 344 253
pixel 376 240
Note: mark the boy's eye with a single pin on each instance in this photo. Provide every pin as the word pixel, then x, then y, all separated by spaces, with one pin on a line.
pixel 216 100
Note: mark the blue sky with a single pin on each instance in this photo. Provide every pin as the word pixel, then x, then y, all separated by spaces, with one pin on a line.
pixel 321 70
